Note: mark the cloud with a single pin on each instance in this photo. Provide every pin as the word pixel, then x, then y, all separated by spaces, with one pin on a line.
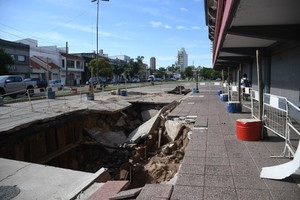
pixel 83 28
pixel 182 28
pixel 156 24
pixel 196 28
pixel 184 9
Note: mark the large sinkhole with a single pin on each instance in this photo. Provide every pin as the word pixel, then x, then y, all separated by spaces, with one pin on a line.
pixel 138 144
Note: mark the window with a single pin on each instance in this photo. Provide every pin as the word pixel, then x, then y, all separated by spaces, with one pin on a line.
pixel 79 65
pixel 21 58
pixel 70 63
pixel 63 63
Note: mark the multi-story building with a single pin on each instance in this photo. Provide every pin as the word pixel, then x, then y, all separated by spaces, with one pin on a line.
pixel 152 63
pixel 249 35
pixel 44 60
pixel 182 59
pixel 20 54
pixel 72 67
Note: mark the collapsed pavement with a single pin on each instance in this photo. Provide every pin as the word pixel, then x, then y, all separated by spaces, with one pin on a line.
pixel 152 153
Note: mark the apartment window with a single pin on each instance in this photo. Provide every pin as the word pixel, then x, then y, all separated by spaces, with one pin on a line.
pixel 21 58
pixel 70 63
pixel 63 63
pixel 79 65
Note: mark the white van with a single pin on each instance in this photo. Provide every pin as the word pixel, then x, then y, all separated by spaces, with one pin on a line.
pixel 151 78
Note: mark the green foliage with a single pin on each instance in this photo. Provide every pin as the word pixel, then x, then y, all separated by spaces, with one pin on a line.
pixel 188 72
pixel 209 73
pixel 161 72
pixel 5 62
pixel 173 68
pixel 104 68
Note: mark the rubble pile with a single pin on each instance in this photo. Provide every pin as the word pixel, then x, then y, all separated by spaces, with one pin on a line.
pixel 159 156
pixel 179 90
pixel 151 153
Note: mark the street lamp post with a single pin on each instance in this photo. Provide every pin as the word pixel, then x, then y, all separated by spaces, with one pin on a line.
pixel 97 51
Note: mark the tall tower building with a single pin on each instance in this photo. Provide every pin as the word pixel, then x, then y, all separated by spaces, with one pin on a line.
pixel 182 59
pixel 153 63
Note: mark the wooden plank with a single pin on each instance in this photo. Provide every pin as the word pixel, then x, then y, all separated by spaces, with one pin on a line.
pixel 57 153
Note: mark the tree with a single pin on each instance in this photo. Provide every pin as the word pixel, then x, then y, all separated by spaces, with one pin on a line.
pixel 5 62
pixel 118 68
pixel 188 72
pixel 104 68
pixel 161 72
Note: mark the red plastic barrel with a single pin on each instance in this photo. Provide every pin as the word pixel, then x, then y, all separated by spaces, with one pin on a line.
pixel 248 129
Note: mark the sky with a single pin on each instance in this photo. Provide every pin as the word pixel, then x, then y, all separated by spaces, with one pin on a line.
pixel 149 28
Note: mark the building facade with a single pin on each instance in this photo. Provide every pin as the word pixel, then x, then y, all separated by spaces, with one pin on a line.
pixel 21 56
pixel 252 34
pixel 152 64
pixel 182 59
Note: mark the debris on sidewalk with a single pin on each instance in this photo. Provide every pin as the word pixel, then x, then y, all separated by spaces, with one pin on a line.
pixel 179 90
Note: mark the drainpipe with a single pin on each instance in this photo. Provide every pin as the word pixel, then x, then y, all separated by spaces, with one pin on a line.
pixel 260 84
pixel 239 82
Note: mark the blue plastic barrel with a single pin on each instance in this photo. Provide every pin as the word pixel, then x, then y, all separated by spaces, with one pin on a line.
pixel 195 90
pixel 234 106
pixel 51 94
pixel 219 92
pixel 89 96
pixel 123 93
pixel 224 97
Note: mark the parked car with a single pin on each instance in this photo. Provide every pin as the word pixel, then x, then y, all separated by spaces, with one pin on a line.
pixel 40 83
pixel 135 80
pixel 12 85
pixel 56 83
pixel 97 80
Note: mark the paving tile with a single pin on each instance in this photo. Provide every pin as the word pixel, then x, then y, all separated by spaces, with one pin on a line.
pixel 249 182
pixel 246 161
pixel 217 161
pixel 245 194
pixel 244 170
pixel 193 161
pixel 216 193
pixel 109 189
pixel 215 140
pixel 190 180
pixel 155 191
pixel 195 154
pixel 218 181
pixel 200 146
pixel 284 195
pixel 187 193
pixel 191 169
pixel 201 122
pixel 222 170
pixel 216 148
pixel 265 162
pixel 220 154
pixel 126 194
pixel 287 184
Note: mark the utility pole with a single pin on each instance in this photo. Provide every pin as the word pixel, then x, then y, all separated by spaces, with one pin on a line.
pixel 67 51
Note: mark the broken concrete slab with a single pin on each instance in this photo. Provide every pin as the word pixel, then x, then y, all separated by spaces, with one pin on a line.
pixel 173 128
pixel 44 182
pixel 126 194
pixel 108 190
pixel 143 130
pixel 155 191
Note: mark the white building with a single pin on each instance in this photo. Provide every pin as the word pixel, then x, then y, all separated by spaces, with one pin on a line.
pixel 182 59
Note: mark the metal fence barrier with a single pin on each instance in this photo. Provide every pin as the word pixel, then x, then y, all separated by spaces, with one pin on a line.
pixel 279 116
